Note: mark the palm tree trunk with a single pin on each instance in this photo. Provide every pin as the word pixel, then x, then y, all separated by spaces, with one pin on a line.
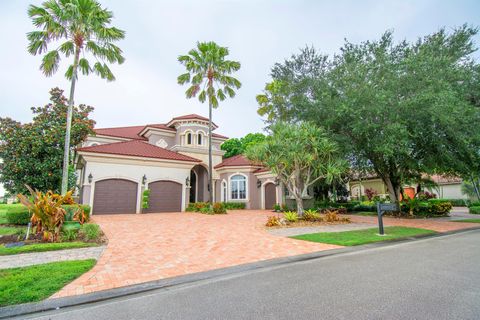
pixel 66 150
pixel 210 167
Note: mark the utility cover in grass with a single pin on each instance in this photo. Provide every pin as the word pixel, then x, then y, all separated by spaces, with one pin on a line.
pixel 358 237
pixel 35 283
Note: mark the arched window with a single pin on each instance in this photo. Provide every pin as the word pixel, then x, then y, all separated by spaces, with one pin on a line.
pixel 189 138
pixel 238 187
pixel 199 139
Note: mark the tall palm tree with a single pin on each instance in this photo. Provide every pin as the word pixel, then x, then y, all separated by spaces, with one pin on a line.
pixel 208 74
pixel 74 27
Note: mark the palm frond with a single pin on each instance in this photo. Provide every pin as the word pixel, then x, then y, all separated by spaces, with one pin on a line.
pixel 50 63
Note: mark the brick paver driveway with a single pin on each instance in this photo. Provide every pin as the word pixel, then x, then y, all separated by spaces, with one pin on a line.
pixel 149 247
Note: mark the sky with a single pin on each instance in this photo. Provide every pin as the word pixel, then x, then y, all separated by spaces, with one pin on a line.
pixel 257 33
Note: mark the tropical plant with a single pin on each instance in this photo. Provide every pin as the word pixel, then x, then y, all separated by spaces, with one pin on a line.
pixel 311 215
pixel 290 216
pixel 47 212
pixel 299 155
pixel 209 76
pixel 83 26
pixel 90 231
pixel 145 198
pixel 273 221
pixel 370 193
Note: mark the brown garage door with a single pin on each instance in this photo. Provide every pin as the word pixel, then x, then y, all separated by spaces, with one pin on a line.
pixel 165 196
pixel 270 197
pixel 115 196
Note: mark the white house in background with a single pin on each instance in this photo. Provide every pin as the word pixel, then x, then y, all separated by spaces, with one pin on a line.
pixel 171 160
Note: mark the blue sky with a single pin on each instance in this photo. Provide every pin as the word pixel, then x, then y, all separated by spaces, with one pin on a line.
pixel 258 34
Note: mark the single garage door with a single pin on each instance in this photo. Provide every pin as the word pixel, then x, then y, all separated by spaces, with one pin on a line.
pixel 270 196
pixel 165 196
pixel 115 196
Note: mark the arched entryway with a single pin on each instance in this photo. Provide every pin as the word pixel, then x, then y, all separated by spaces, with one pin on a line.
pixel 198 184
pixel 270 196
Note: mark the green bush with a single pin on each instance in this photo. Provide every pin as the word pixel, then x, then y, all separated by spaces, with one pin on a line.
pixel 219 208
pixel 145 199
pixel 18 215
pixel 234 205
pixel 311 215
pixel 206 210
pixel 474 210
pixel 364 207
pixel 69 235
pixel 91 231
pixel 475 204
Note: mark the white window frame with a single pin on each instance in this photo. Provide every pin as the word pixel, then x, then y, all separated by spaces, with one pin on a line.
pixel 224 191
pixel 230 187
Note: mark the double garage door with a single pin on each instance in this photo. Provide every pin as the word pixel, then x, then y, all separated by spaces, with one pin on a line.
pixel 114 196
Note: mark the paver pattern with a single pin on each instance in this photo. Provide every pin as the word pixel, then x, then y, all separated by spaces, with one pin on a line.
pixel 149 247
pixel 28 259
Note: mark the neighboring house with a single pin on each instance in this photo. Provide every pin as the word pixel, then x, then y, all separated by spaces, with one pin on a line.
pixel 448 187
pixel 116 165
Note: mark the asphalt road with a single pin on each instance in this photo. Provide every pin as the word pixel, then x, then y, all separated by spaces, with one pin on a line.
pixel 436 278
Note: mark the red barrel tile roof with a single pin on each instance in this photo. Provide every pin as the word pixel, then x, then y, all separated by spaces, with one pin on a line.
pixel 136 148
pixel 122 132
pixel 236 161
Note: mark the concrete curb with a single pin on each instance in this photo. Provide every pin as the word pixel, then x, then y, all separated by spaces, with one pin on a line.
pixel 58 303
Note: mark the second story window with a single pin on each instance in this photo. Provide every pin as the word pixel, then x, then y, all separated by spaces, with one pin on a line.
pixel 189 138
pixel 199 139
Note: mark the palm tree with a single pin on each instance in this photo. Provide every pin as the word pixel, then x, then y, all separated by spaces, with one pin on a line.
pixel 75 27
pixel 209 75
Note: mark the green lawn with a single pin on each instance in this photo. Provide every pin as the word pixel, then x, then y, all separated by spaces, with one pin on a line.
pixel 468 220
pixel 358 237
pixel 35 283
pixel 365 213
pixel 40 247
pixel 9 230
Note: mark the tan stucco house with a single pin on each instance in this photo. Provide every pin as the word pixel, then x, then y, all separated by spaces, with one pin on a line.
pixel 170 159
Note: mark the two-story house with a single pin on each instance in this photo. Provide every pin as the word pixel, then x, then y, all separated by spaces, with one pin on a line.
pixel 116 165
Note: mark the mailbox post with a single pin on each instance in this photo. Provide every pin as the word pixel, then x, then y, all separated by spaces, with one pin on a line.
pixel 381 209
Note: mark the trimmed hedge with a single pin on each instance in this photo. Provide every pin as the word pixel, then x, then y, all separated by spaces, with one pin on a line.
pixel 234 205
pixel 474 210
pixel 17 214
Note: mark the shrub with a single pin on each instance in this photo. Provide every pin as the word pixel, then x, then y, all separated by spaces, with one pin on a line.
pixel 90 231
pixel 219 208
pixel 364 207
pixel 311 215
pixel 290 216
pixel 47 212
pixel 425 195
pixel 475 204
pixel 69 235
pixel 18 215
pixel 474 210
pixel 272 221
pixel 284 207
pixel 234 205
pixel 145 198
pixel 21 234
pixel 277 207
pixel 206 210
pixel 439 207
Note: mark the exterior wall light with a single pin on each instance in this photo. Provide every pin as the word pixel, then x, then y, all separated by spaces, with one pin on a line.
pixel 259 183
pixel 144 179
pixel 277 181
pixel 187 182
pixel 90 178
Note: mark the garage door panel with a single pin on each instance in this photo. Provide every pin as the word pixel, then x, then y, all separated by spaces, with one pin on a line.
pixel 165 196
pixel 113 196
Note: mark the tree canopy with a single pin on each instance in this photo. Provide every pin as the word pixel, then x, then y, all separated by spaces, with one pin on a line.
pixel 300 155
pixel 235 146
pixel 32 152
pixel 397 109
